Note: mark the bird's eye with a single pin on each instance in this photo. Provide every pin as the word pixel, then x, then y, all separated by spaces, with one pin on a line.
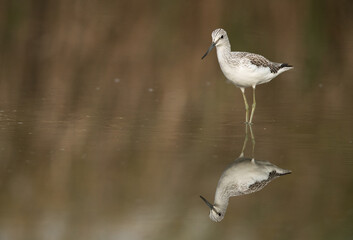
pixel 219 214
pixel 222 36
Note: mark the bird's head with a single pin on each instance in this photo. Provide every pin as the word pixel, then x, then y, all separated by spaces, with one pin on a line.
pixel 216 213
pixel 219 38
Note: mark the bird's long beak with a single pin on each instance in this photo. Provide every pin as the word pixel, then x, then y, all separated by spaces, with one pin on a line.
pixel 207 203
pixel 210 205
pixel 209 50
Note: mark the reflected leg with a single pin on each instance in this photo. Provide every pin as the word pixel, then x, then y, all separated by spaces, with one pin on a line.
pixel 253 104
pixel 245 141
pixel 253 141
pixel 246 105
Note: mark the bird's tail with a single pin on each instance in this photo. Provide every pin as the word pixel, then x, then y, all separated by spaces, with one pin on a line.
pixel 284 67
pixel 284 172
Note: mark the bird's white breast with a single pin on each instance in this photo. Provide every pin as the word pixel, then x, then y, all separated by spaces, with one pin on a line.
pixel 241 71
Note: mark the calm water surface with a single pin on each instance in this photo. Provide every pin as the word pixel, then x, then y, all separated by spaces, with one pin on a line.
pixel 105 137
pixel 129 174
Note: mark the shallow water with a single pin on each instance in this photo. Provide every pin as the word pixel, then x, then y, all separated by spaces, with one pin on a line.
pixel 98 142
pixel 126 174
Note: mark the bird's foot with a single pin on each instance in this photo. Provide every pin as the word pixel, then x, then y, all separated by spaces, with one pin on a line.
pixel 248 123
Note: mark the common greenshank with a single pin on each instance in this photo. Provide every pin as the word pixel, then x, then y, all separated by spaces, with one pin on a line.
pixel 244 69
pixel 243 176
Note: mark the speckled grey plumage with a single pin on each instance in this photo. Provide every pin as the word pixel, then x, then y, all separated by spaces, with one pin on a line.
pixel 242 68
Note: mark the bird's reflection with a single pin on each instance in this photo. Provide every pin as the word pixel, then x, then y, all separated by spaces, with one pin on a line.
pixel 243 176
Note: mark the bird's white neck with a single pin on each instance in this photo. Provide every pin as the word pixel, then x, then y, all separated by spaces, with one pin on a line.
pixel 221 201
pixel 223 52
pixel 225 47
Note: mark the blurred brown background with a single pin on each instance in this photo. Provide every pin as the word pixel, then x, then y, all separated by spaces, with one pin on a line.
pixel 111 125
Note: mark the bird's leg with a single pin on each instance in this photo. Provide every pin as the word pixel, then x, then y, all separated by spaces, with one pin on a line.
pixel 245 141
pixel 246 106
pixel 253 141
pixel 253 105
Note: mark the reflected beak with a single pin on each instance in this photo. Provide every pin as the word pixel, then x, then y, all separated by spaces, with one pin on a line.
pixel 207 203
pixel 209 50
pixel 210 205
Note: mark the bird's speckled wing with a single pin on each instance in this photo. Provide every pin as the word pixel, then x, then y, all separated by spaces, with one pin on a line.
pixel 236 190
pixel 258 60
